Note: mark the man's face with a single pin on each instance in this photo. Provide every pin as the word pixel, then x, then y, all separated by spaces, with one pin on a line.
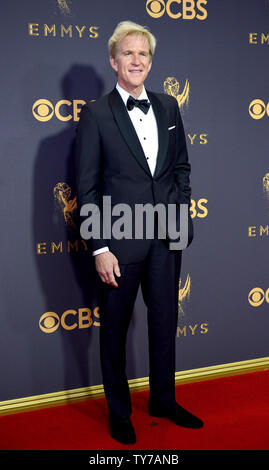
pixel 132 63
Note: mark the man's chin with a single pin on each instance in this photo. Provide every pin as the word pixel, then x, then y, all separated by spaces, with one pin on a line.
pixel 136 81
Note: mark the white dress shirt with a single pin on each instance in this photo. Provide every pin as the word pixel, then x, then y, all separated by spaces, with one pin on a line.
pixel 147 131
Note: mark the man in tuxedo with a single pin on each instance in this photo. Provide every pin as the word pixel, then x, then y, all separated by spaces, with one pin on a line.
pixel 131 146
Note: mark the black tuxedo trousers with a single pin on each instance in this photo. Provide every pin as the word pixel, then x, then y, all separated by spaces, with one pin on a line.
pixel 158 274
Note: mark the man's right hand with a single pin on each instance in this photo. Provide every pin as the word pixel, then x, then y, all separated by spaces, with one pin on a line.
pixel 106 265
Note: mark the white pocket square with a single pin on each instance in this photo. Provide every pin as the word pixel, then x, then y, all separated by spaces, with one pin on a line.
pixel 170 128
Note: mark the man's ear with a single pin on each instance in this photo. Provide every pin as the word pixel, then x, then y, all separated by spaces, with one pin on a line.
pixel 113 63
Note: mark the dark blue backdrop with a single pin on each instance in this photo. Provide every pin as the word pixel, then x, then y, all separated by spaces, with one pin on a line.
pixel 55 50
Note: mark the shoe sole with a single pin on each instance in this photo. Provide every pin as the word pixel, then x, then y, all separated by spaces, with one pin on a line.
pixel 158 415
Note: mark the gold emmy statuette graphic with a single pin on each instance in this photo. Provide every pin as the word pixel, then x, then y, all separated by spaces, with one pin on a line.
pixel 265 182
pixel 62 4
pixel 183 293
pixel 171 87
pixel 62 197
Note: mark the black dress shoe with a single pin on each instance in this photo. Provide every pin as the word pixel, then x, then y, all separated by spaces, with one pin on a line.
pixel 122 430
pixel 178 415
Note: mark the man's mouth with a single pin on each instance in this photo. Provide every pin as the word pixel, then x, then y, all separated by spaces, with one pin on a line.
pixel 135 71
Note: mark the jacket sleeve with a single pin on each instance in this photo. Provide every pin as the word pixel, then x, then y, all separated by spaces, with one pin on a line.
pixel 182 171
pixel 182 167
pixel 89 168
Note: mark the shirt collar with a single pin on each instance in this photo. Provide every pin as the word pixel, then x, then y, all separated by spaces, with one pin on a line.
pixel 125 95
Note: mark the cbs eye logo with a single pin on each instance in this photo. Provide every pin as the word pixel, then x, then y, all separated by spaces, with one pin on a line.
pixel 257 296
pixel 185 9
pixel 43 110
pixel 258 108
pixel 155 8
pixel 49 322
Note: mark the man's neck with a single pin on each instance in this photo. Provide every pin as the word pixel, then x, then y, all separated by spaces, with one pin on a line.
pixel 135 92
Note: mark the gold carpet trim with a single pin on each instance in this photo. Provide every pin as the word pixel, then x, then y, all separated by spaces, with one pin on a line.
pixel 97 391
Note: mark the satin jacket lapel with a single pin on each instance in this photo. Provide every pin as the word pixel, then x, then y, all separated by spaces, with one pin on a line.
pixel 163 134
pixel 127 129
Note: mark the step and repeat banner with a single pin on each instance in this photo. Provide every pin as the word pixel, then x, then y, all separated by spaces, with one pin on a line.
pixel 212 56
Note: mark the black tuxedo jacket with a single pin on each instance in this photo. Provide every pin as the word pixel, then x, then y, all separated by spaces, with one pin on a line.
pixel 110 161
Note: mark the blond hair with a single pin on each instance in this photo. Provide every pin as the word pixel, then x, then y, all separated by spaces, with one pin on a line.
pixel 124 28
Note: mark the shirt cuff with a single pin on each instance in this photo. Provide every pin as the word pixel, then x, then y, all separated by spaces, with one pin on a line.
pixel 101 250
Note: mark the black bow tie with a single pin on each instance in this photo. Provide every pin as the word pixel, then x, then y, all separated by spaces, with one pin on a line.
pixel 142 104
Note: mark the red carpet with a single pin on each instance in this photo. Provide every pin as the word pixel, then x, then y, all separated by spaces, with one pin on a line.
pixel 235 411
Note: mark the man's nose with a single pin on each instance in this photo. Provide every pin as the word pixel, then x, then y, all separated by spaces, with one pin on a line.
pixel 136 59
